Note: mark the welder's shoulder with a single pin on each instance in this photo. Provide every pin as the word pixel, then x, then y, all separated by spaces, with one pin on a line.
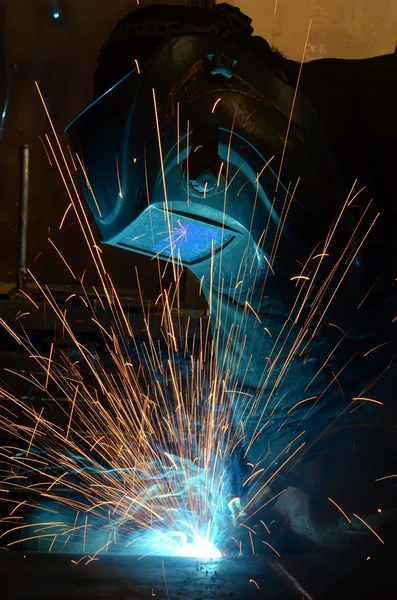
pixel 346 90
pixel 356 71
pixel 356 101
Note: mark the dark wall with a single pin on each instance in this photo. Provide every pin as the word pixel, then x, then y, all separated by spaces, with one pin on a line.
pixel 60 53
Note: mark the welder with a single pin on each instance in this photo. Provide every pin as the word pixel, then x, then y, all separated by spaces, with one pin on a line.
pixel 249 176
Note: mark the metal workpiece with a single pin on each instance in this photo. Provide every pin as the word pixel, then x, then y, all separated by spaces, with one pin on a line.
pixel 236 578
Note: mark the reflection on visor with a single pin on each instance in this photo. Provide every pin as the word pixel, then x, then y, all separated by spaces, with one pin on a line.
pixel 175 236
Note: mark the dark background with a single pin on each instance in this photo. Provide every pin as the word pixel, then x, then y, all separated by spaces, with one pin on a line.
pixel 60 54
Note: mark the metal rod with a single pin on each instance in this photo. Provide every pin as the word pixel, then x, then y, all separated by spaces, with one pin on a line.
pixel 23 217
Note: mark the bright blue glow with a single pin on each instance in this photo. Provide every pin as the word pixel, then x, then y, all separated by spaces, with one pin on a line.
pixel 199 549
pixel 56 15
pixel 173 235
pixel 189 239
pixel 175 544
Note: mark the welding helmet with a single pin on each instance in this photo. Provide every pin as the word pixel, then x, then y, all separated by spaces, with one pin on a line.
pixel 186 156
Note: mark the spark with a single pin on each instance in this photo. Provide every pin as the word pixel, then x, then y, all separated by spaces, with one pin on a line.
pixel 252 476
pixel 272 547
pixel 63 258
pixel 137 66
pixel 268 264
pixel 37 257
pixel 378 346
pixel 187 162
pixel 339 508
pixel 45 150
pixel 386 477
pixel 367 400
pixel 254 582
pixel 251 114
pixel 325 362
pixel 29 298
pixel 293 104
pixel 369 527
pixel 49 365
pixel 368 293
pixel 16 507
pixel 301 402
pixel 220 174
pixel 252 310
pixel 263 169
pixel 356 194
pixel 20 315
pixel 34 432
pixel 233 501
pixel 71 413
pixel 83 220
pixel 160 151
pixel 71 158
pixel 300 277
pixel 241 188
pixel 215 105
pixel 69 297
pixel 357 250
pixel 65 215
pixel 337 327
pixel 88 184
pixel 321 255
pixel 118 176
pixel 178 135
pixel 265 526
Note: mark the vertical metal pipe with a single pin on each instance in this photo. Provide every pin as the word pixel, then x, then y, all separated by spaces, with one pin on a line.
pixel 23 217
